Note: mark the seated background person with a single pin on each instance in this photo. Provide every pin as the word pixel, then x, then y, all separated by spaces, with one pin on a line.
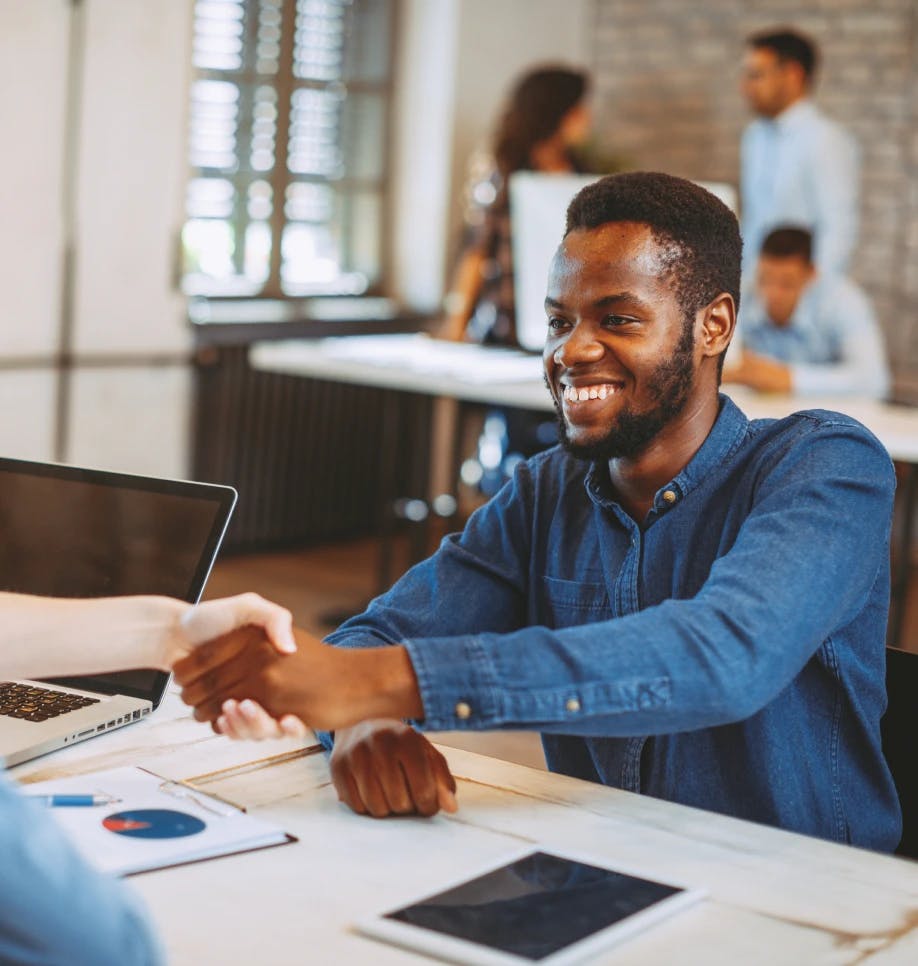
pixel 669 596
pixel 806 332
pixel 54 908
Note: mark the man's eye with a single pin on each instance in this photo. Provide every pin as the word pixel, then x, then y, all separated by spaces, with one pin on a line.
pixel 556 324
pixel 614 321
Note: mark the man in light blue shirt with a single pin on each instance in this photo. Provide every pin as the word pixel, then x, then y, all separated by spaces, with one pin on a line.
pixel 805 332
pixel 797 166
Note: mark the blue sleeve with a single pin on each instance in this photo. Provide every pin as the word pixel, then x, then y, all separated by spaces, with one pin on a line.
pixel 836 187
pixel 55 909
pixel 820 519
pixel 476 581
pixel 861 368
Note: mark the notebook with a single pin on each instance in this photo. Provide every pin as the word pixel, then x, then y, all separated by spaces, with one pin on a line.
pixel 72 532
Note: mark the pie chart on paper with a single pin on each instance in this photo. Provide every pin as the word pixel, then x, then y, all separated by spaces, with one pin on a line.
pixel 153 823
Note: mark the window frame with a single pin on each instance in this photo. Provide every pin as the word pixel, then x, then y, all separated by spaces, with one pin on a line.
pixel 346 188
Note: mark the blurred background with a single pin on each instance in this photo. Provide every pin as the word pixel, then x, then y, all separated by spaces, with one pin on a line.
pixel 183 178
pixel 180 179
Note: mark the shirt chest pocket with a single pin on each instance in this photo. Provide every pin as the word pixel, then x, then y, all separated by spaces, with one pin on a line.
pixel 567 603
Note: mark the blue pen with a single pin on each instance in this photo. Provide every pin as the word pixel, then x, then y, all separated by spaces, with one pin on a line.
pixel 58 801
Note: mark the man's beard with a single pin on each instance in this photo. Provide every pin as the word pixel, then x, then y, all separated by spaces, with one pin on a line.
pixel 631 432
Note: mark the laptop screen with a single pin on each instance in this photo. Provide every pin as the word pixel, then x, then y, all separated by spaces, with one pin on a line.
pixel 69 532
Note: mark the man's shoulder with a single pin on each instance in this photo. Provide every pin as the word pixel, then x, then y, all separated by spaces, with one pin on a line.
pixel 827 128
pixel 838 296
pixel 820 435
pixel 556 464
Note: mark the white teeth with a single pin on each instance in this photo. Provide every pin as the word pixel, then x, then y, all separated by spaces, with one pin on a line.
pixel 571 394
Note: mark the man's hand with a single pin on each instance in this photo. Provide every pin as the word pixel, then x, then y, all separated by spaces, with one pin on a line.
pixel 384 767
pixel 326 687
pixel 760 373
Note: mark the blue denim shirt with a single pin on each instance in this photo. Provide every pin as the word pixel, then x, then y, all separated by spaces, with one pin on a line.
pixel 725 653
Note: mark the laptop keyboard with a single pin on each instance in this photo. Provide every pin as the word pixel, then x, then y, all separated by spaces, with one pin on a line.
pixel 38 704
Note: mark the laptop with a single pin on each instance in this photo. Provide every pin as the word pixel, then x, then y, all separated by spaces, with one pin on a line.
pixel 71 532
pixel 538 213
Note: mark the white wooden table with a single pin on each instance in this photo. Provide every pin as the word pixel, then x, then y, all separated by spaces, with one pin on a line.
pixel 417 363
pixel 506 377
pixel 774 897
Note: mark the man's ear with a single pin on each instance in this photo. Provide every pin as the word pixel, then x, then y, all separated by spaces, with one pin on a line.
pixel 717 321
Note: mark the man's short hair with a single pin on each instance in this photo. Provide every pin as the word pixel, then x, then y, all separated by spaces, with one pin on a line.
pixel 789 242
pixel 789 46
pixel 699 230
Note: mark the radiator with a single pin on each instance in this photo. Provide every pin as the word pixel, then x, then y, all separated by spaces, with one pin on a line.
pixel 304 454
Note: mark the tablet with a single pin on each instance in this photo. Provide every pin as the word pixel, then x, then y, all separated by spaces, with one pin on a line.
pixel 540 907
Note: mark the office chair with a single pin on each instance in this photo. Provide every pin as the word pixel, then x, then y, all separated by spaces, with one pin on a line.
pixel 899 729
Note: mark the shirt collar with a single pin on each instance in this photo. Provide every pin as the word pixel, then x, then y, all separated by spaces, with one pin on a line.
pixel 726 434
pixel 799 113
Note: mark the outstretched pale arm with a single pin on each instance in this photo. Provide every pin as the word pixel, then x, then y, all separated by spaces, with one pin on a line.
pixel 47 636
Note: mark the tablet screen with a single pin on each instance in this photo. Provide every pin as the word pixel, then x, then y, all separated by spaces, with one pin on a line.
pixel 536 906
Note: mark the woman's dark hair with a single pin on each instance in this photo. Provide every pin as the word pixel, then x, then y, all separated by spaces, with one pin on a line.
pixel 537 106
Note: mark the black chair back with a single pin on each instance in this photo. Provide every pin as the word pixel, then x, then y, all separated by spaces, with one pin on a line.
pixel 899 729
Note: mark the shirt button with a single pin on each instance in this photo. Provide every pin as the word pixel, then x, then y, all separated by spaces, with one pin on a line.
pixel 670 496
pixel 572 704
pixel 463 710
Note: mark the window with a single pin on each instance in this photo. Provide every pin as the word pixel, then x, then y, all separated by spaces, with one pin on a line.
pixel 288 147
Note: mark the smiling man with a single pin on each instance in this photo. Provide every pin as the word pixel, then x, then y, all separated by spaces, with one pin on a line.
pixel 683 603
pixel 797 166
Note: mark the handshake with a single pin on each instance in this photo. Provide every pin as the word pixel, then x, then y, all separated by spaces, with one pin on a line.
pixel 263 679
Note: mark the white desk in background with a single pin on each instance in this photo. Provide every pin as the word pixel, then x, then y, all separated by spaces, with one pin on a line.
pixel 774 897
pixel 416 363
pixel 506 377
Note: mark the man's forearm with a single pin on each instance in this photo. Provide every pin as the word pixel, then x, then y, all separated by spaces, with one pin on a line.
pixel 378 682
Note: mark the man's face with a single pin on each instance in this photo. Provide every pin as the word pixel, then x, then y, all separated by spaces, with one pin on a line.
pixel 780 283
pixel 770 84
pixel 618 359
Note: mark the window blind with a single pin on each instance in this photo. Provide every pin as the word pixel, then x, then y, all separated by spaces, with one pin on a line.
pixel 288 125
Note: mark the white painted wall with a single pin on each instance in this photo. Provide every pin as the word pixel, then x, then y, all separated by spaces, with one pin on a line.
pixel 128 170
pixel 33 56
pixel 422 137
pixel 131 176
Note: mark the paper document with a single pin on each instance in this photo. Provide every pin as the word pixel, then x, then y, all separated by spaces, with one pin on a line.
pixel 153 822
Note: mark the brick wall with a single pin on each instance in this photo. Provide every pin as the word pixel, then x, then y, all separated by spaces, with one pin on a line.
pixel 667 97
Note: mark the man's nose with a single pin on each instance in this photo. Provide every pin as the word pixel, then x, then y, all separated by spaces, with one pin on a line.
pixel 581 346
